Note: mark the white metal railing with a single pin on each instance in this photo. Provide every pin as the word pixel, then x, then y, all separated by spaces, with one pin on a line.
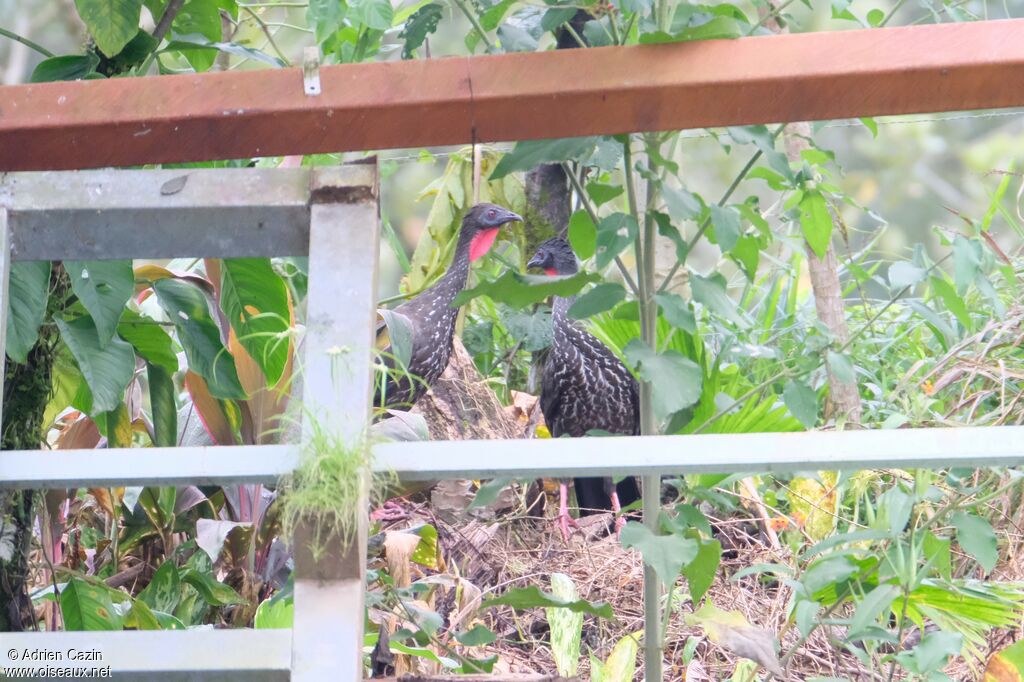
pixel 332 215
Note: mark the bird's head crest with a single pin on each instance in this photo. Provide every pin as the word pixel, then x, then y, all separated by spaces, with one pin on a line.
pixel 555 257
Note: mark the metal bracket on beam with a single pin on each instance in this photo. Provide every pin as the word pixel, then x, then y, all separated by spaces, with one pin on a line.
pixel 311 70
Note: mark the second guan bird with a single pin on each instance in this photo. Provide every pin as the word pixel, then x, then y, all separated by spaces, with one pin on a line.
pixel 584 387
pixel 430 316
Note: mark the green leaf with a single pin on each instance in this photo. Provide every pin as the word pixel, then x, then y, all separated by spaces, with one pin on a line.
pixel 816 222
pixel 526 155
pixel 932 654
pixel 566 626
pixel 107 370
pixel 599 299
pixel 65 68
pixel 103 287
pixel 597 32
pixel 939 554
pixel 141 617
pixel 493 16
pixel 710 292
pixel 903 274
pixel 582 234
pixel 375 14
pixel 199 17
pixel 953 302
pixel 895 507
pixel 682 204
pixel 186 306
pixel 966 262
pixel 806 616
pixel 601 193
pixel 255 301
pixel 28 293
pixel 85 606
pixel 867 121
pixel 111 23
pixel 614 233
pixel 530 597
pixel 874 604
pixel 556 16
pixel 631 6
pixel 977 538
pixel 533 329
pixel 519 290
pixel 325 16
pixel 676 380
pixel 275 614
pixel 164 591
pixel 700 573
pixel 478 636
pixel 513 38
pixel 677 312
pixel 422 23
pixel 758 135
pixel 668 230
pixel 726 221
pixel 165 411
pixel 802 402
pixel 842 367
pixel 488 492
pixel 399 335
pixel 149 340
pixel 213 592
pixel 666 554
pixel 196 41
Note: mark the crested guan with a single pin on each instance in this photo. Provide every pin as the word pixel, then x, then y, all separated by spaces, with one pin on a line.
pixel 584 387
pixel 430 316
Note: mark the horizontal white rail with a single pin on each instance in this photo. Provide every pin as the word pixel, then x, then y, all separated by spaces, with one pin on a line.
pixel 161 656
pixel 210 213
pixel 563 457
pixel 713 453
pixel 215 465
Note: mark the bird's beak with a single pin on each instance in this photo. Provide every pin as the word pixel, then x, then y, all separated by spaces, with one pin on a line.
pixel 535 262
pixel 511 217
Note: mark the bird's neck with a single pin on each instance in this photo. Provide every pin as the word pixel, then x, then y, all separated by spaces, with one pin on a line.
pixel 560 309
pixel 454 279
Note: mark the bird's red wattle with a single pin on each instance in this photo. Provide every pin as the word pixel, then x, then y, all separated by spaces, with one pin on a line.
pixel 551 271
pixel 482 242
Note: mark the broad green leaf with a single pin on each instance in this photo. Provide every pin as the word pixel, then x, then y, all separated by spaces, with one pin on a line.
pixel 726 221
pixel 966 262
pixel 829 571
pixel 275 614
pixel 399 330
pixel 802 402
pixel 422 23
pixel 700 573
pixel 874 604
pixel 103 287
pixel 566 626
pixel 478 636
pixel 601 193
pixel 582 234
pixel 526 155
pixel 514 38
pixel 677 312
pixel 758 135
pixel 614 233
pixel 806 616
pixel 533 596
pixel 85 606
pixel 111 23
pixel 199 17
pixel 150 341
pixel 977 538
pixel 816 222
pixel 107 370
pixel 425 553
pixel 519 290
pixel 731 631
pixel 621 663
pixel 710 292
pixel 493 16
pixel 842 367
pixel 666 554
pixel 162 401
pixel 903 274
pixel 65 68
pixel 933 652
pixel 488 492
pixel 599 299
pixel 215 593
pixel 894 508
pixel 375 14
pixel 141 617
pixel 255 301
pixel 325 17
pixel 533 329
pixel 164 591
pixel 597 32
pixel 676 380
pixel 867 121
pixel 118 427
pixel 28 293
pixel 682 203
pixel 952 300
pixel 668 230
pixel 1006 665
pixel 556 16
pixel 186 306
pixel 939 554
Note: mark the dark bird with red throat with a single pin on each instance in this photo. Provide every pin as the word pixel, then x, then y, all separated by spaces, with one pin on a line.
pixel 584 387
pixel 430 316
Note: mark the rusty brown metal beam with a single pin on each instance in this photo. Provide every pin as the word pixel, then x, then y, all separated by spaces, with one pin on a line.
pixel 811 76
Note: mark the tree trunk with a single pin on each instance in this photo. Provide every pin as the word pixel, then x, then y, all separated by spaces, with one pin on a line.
pixel 843 401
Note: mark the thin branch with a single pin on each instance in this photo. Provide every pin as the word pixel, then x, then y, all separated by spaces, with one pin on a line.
pixel 461 4
pixel 26 42
pixel 576 36
pixel 164 25
pixel 266 31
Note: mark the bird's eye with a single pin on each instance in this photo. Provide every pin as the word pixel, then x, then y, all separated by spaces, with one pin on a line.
pixel 491 213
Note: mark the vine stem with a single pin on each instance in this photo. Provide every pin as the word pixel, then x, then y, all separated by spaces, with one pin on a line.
pixel 475 22
pixel 26 42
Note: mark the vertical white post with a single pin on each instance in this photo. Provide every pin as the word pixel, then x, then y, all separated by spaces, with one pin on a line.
pixel 327 635
pixel 5 278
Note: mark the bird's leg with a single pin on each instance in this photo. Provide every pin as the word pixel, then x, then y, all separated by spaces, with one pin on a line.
pixel 392 510
pixel 620 521
pixel 564 520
